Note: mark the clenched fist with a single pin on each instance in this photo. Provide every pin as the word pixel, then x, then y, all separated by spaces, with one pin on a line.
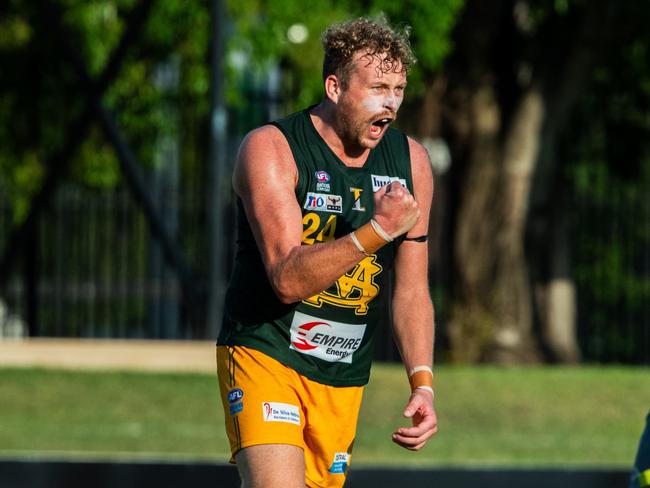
pixel 396 211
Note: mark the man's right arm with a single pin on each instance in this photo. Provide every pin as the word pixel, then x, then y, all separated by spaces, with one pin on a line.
pixel 265 178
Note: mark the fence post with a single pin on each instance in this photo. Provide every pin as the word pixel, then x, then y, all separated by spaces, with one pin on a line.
pixel 217 174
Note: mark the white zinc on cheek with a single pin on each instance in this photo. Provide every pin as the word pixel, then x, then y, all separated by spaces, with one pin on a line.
pixel 392 100
pixel 374 104
pixel 379 103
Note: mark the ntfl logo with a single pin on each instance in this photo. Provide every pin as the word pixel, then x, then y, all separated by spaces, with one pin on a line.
pixel 322 176
pixel 235 395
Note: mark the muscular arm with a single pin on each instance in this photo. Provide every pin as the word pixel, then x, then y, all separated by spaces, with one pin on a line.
pixel 265 178
pixel 413 316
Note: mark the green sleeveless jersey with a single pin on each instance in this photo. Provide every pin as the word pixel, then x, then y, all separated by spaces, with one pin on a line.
pixel 327 337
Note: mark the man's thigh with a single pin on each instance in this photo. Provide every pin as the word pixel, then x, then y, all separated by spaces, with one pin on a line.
pixel 271 466
pixel 260 405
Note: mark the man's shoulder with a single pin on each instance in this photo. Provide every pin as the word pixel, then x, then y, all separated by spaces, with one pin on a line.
pixel 265 135
pixel 418 151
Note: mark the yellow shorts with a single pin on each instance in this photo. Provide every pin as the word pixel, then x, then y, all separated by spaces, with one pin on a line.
pixel 266 402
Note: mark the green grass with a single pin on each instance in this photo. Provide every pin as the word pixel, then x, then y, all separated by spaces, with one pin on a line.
pixel 516 417
pixel 487 416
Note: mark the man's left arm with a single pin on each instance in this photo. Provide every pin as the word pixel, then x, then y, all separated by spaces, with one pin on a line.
pixel 413 315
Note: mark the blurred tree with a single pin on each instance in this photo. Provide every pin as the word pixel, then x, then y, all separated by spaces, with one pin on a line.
pixel 266 34
pixel 499 81
pixel 40 94
pixel 518 70
pixel 608 150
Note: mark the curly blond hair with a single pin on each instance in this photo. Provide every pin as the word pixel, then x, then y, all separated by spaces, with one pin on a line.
pixel 375 37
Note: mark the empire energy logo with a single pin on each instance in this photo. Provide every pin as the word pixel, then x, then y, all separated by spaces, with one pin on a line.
pixel 328 340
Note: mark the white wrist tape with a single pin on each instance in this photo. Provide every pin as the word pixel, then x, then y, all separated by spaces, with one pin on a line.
pixel 357 243
pixel 380 231
pixel 412 371
pixel 428 388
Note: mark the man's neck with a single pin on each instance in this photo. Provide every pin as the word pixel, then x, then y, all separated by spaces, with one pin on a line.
pixel 323 116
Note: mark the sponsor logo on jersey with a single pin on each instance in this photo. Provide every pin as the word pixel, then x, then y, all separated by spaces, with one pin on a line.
pixel 380 180
pixel 280 412
pixel 235 399
pixel 356 193
pixel 340 463
pixel 323 202
pixel 355 289
pixel 322 181
pixel 325 339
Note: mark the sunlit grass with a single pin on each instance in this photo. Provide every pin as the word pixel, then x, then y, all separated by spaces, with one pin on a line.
pixel 487 416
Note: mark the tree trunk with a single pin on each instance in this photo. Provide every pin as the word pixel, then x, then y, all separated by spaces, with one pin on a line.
pixel 492 318
pixel 509 88
pixel 556 296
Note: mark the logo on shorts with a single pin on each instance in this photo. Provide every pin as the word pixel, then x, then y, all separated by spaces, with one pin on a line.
pixel 235 399
pixel 328 340
pixel 324 202
pixel 340 463
pixel 322 181
pixel 280 412
pixel 380 180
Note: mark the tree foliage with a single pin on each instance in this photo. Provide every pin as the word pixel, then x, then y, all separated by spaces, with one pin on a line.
pixel 260 38
pixel 476 60
pixel 40 94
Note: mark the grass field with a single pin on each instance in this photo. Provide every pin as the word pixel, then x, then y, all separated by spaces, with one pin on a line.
pixel 487 416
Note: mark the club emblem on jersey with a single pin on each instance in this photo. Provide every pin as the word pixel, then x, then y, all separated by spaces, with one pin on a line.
pixel 322 181
pixel 328 340
pixel 356 193
pixel 355 289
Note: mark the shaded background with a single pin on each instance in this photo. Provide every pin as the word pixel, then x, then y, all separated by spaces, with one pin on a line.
pixel 121 120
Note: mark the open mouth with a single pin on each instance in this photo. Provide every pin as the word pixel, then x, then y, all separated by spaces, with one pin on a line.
pixel 377 127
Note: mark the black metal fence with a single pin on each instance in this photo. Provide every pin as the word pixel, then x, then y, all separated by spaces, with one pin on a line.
pixel 94 270
pixel 92 267
pixel 611 268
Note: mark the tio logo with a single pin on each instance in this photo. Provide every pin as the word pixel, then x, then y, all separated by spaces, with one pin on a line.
pixel 315 201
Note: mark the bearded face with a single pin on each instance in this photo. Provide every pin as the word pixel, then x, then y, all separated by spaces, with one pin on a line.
pixel 370 100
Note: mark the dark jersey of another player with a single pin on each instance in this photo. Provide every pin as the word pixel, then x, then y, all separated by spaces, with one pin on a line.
pixel 327 337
